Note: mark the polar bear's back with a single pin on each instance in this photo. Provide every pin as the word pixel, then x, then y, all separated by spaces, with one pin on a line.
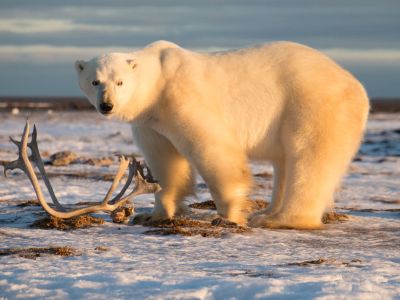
pixel 260 86
pixel 258 83
pixel 252 90
pixel 278 62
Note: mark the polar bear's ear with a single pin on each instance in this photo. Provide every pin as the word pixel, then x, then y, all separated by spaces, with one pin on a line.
pixel 80 65
pixel 132 63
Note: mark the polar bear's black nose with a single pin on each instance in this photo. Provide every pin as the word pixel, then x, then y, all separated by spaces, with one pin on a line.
pixel 106 107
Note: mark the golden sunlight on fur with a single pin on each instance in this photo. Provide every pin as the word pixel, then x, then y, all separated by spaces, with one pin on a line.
pixel 212 112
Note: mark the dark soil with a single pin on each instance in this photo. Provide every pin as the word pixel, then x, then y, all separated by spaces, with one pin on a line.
pixel 63 158
pixel 372 209
pixel 101 249
pixel 50 222
pixel 84 175
pixel 257 205
pixel 385 201
pixel 188 227
pixel 29 203
pixel 333 217
pixel 122 214
pixel 103 161
pixel 33 253
pixel 264 175
pixel 324 261
pixel 210 204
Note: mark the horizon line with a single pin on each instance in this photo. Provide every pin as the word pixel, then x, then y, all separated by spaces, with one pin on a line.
pixel 60 103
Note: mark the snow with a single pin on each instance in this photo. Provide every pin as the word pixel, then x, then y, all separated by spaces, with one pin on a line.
pixel 360 258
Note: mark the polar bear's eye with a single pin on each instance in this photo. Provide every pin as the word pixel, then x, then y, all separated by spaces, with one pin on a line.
pixel 120 82
pixel 95 82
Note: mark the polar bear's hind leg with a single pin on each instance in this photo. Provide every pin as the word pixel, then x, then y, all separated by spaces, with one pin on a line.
pixel 317 155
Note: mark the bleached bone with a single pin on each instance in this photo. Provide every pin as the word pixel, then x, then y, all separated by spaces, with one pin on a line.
pixel 143 184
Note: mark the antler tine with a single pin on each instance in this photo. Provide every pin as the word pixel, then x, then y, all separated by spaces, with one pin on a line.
pixel 132 171
pixel 11 166
pixel 142 186
pixel 124 163
pixel 23 163
pixel 14 141
pixel 37 159
pixel 18 163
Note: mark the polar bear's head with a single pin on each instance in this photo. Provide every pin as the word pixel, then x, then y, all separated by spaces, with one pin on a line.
pixel 108 81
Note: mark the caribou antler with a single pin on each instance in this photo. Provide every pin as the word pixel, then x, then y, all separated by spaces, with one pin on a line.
pixel 143 184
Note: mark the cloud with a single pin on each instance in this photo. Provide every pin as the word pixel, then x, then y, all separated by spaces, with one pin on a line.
pixel 40 54
pixel 48 54
pixel 364 55
pixel 40 26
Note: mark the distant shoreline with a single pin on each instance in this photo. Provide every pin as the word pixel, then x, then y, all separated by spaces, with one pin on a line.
pixel 389 105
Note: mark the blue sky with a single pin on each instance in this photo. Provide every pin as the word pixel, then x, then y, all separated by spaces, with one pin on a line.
pixel 40 40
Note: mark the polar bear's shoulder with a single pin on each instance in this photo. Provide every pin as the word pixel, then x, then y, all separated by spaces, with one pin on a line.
pixel 160 45
pixel 167 52
pixel 170 56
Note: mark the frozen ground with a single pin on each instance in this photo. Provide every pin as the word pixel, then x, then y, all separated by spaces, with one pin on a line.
pixel 357 259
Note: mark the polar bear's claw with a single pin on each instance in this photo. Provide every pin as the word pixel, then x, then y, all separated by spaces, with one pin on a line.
pixel 142 218
pixel 222 222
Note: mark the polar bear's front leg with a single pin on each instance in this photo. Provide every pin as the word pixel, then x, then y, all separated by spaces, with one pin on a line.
pixel 169 168
pixel 225 170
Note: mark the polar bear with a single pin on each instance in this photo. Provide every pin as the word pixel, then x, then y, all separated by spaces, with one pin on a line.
pixel 281 102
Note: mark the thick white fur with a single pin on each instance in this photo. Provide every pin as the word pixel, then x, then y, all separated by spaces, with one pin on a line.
pixel 281 102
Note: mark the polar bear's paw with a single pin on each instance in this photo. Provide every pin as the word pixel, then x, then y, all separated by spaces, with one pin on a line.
pixel 159 215
pixel 281 221
pixel 263 221
pixel 144 218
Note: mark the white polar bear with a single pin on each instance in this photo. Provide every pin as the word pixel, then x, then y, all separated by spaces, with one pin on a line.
pixel 281 102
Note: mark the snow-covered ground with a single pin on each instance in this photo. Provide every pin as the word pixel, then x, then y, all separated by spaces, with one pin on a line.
pixel 357 259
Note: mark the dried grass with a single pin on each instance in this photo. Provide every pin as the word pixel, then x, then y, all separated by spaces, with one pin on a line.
pixel 325 261
pixel 252 205
pixel 101 248
pixel 189 227
pixel 210 204
pixel 333 217
pixel 122 214
pixel 33 252
pixel 63 158
pixel 51 222
pixel 29 203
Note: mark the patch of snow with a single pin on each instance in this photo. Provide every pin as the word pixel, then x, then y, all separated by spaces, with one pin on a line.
pixel 357 259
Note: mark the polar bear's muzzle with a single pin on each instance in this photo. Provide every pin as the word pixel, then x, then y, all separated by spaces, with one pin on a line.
pixel 103 99
pixel 106 107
